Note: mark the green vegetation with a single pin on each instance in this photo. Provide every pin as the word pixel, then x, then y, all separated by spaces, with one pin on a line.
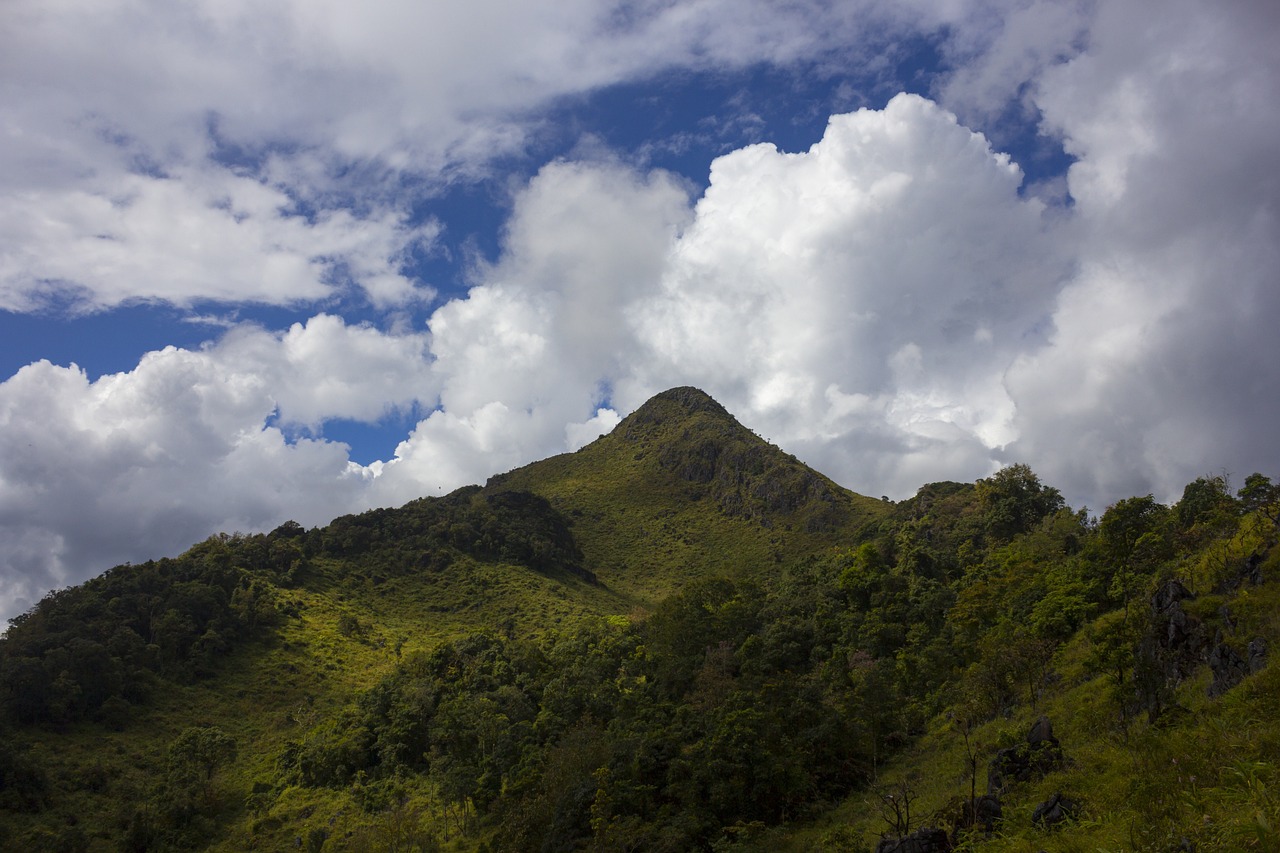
pixel 678 638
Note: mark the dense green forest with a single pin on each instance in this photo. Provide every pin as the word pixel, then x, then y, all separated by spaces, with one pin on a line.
pixel 678 638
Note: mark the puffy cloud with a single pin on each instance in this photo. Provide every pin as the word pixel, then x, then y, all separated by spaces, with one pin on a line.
pixel 846 301
pixel 327 369
pixel 853 290
pixel 140 464
pixel 525 360
pixel 148 143
pixel 1000 50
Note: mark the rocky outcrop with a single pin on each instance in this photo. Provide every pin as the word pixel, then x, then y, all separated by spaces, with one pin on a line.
pixel 1172 649
pixel 1249 571
pixel 1039 755
pixel 987 812
pixel 1055 811
pixel 1178 636
pixel 1257 654
pixel 1229 667
pixel 926 840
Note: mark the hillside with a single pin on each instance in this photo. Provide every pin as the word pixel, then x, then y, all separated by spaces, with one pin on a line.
pixel 681 490
pixel 677 638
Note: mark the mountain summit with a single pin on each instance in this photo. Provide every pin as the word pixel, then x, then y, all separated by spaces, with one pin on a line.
pixel 681 488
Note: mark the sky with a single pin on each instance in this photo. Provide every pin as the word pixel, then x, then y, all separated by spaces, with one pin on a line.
pixel 291 259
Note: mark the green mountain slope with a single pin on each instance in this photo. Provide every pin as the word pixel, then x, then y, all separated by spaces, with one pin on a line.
pixel 677 638
pixel 681 490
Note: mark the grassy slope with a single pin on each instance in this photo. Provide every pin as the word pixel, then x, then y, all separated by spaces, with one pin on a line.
pixel 680 490
pixel 270 691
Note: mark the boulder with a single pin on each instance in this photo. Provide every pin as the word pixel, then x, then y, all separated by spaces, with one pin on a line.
pixel 1041 733
pixel 1054 811
pixel 987 813
pixel 1257 654
pixel 924 840
pixel 1039 755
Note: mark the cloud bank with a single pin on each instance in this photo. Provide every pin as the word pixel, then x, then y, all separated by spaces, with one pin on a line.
pixel 894 305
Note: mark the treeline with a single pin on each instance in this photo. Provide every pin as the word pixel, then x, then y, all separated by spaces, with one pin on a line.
pixel 504 526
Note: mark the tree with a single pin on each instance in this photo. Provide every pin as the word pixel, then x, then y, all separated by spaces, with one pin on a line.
pixel 195 756
pixel 1205 499
pixel 1132 533
pixel 1125 521
pixel 1013 501
pixel 1260 495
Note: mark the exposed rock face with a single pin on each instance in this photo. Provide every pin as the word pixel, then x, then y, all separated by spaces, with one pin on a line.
pixel 1039 755
pixel 1169 594
pixel 1178 643
pixel 987 812
pixel 1178 635
pixel 1249 572
pixel 1042 734
pixel 1253 568
pixel 1229 668
pixel 926 840
pixel 1054 811
pixel 1257 654
pixel 1172 649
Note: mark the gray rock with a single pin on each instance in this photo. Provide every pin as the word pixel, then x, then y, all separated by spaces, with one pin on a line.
pixel 1257 654
pixel 987 813
pixel 1039 755
pixel 1055 811
pixel 924 840
pixel 1229 669
pixel 1170 593
pixel 1041 732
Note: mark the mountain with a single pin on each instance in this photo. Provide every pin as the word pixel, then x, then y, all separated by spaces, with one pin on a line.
pixel 681 490
pixel 678 637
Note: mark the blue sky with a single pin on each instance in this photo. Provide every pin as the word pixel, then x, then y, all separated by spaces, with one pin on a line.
pixel 292 260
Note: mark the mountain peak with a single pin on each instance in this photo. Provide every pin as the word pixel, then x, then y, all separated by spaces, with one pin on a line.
pixel 674 403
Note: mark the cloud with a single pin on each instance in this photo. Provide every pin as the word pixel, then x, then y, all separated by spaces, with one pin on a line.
pixel 846 301
pixel 268 152
pixel 326 369
pixel 271 152
pixel 525 360
pixel 142 464
pixel 1158 370
pixel 852 289
pixel 190 236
